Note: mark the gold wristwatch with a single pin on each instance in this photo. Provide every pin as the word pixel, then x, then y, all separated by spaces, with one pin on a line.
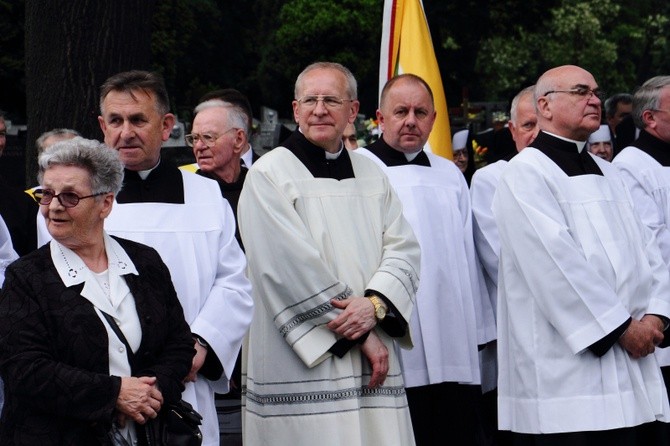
pixel 380 308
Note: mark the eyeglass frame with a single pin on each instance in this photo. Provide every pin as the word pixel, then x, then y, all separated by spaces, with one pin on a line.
pixel 37 192
pixel 338 102
pixel 193 141
pixel 460 153
pixel 582 91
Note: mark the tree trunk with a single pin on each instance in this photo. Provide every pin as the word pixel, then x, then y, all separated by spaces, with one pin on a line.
pixel 72 47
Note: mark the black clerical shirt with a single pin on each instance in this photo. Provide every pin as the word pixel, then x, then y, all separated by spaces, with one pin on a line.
pixel 392 157
pixel 654 147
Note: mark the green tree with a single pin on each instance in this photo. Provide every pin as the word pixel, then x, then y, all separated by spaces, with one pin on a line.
pixel 620 45
pixel 347 32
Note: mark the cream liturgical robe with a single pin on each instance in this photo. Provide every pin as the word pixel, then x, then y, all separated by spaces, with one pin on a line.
pixel 575 264
pixel 309 240
pixel 453 313
pixel 649 184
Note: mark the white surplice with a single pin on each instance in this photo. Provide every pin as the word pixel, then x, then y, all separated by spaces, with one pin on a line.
pixel 7 253
pixel 649 185
pixel 453 313
pixel 575 263
pixel 487 243
pixel 309 240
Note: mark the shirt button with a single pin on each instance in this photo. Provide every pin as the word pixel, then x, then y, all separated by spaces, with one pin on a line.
pixel 121 349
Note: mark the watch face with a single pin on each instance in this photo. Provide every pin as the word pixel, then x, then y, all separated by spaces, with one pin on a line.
pixel 380 313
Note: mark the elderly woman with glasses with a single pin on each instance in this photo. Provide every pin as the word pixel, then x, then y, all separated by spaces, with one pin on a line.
pixel 71 309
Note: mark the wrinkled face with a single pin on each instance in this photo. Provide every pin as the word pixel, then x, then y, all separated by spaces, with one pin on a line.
pixel 658 121
pixel 461 159
pixel 407 116
pixel 524 127
pixel 323 124
pixel 349 137
pixel 133 125
pixel 3 135
pixel 565 112
pixel 602 149
pixel 79 225
pixel 227 144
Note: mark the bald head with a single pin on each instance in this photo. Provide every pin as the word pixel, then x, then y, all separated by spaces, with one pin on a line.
pixel 567 102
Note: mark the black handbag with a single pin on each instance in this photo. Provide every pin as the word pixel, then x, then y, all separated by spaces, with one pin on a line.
pixel 177 424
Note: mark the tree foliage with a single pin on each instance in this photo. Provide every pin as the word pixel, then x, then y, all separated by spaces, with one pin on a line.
pixel 621 46
pixel 488 50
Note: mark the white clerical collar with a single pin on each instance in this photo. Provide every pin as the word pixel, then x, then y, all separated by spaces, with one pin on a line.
pixel 411 156
pixel 145 173
pixel 333 156
pixel 247 157
pixel 72 269
pixel 580 144
pixel 330 156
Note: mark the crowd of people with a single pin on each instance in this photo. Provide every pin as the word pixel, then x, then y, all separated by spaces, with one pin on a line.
pixel 354 296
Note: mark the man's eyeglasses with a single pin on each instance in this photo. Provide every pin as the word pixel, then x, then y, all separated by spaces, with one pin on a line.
pixel 67 199
pixel 584 92
pixel 207 139
pixel 331 102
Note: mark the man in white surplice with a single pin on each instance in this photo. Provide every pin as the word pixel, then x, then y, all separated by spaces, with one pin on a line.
pixel 453 313
pixel 645 167
pixel 184 217
pixel 583 293
pixel 335 268
pixel 523 127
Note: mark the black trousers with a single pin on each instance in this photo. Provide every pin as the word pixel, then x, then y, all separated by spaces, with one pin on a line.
pixel 446 414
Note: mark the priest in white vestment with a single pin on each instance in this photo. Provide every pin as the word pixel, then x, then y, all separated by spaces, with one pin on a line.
pixel 453 316
pixel 335 268
pixel 185 218
pixel 523 128
pixel 583 292
pixel 645 168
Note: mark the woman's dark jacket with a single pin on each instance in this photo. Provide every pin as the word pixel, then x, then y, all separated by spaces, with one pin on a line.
pixel 54 350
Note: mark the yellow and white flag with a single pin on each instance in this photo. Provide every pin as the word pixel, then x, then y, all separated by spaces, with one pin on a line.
pixel 408 48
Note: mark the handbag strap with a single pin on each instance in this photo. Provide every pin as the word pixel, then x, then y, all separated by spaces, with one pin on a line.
pixel 115 328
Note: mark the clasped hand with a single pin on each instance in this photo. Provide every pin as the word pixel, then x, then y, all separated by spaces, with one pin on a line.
pixel 139 399
pixel 356 319
pixel 642 337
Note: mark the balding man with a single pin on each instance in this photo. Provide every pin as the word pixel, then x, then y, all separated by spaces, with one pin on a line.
pixel 453 314
pixel 583 293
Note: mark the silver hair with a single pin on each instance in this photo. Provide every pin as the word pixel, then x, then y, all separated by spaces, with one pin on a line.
pixel 515 102
pixel 55 132
pixel 351 80
pixel 236 116
pixel 101 162
pixel 648 97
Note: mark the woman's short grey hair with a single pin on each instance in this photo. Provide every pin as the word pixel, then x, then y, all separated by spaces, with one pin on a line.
pixel 101 162
pixel 648 97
